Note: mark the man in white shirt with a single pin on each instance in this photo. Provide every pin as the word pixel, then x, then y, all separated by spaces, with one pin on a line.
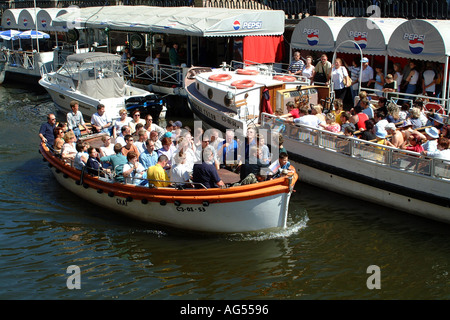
pixel 366 73
pixel 75 119
pixel 429 81
pixel 100 121
pixel 306 119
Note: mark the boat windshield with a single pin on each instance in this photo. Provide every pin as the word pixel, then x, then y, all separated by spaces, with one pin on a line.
pixel 92 70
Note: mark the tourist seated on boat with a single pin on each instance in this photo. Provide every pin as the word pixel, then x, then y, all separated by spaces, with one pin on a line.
pixel 82 156
pixel 282 163
pixel 186 144
pixel 101 122
pixel 367 108
pixel 59 141
pixel 155 138
pixel 338 109
pixel 68 150
pixel 227 150
pixel 129 145
pixel 414 143
pixel 149 157
pixel 118 124
pixel 117 161
pixel 317 110
pixel 254 164
pixel 415 118
pixel 180 172
pixel 345 120
pixel 442 152
pixel 369 132
pixel 445 131
pixel 292 111
pixel 168 149
pixel 136 118
pixel 396 137
pixel 151 126
pixel 140 141
pixel 206 144
pixel 380 119
pixel 133 171
pixel 156 175
pixel 108 148
pixel 331 124
pixel 380 136
pixel 93 165
pixel 435 120
pixel 205 174
pixel 75 119
pixel 419 103
pixel 432 136
pixel 359 118
pixel 306 118
pixel 46 130
pixel 124 131
pixel 63 126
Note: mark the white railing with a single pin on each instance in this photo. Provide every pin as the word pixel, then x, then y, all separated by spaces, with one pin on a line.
pixel 361 149
pixel 155 73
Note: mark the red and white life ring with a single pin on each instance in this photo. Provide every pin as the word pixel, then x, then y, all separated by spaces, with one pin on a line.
pixel 247 72
pixel 220 77
pixel 243 84
pixel 434 106
pixel 285 78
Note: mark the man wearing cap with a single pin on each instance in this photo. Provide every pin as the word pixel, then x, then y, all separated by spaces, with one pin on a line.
pixel 432 135
pixel 366 73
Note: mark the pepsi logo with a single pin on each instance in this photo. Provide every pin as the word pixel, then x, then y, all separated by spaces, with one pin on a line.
pixel 416 42
pixel 416 46
pixel 8 21
pixel 236 25
pixel 44 23
pixel 25 22
pixel 361 41
pixel 313 39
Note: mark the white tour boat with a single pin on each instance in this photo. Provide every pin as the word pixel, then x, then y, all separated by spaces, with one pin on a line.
pixel 94 78
pixel 361 169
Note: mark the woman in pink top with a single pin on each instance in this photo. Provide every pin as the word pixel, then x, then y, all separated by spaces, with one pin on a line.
pixel 415 144
pixel 331 124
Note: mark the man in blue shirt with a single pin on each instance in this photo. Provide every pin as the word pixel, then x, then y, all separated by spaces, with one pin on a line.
pixel 227 150
pixel 46 131
pixel 149 157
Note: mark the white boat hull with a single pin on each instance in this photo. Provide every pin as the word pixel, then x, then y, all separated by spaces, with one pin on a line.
pixel 239 216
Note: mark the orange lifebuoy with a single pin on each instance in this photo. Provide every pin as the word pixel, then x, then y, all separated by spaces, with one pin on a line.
pixel 247 72
pixel 243 84
pixel 434 106
pixel 285 78
pixel 220 77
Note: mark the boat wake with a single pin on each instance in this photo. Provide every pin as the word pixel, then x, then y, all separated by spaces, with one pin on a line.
pixel 293 227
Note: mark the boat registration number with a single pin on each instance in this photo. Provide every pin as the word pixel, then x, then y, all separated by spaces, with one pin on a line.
pixel 191 209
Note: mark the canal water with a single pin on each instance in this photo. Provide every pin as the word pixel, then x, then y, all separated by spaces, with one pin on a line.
pixel 335 247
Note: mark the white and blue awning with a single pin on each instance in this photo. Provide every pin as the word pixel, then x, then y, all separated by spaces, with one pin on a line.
pixel 191 21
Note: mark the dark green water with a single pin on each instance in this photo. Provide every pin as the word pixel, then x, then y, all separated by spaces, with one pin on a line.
pixel 324 254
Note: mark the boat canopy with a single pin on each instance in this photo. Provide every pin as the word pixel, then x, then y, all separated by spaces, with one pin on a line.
pixel 27 18
pixel 10 18
pixel 422 40
pixel 371 34
pixel 92 57
pixel 317 33
pixel 191 21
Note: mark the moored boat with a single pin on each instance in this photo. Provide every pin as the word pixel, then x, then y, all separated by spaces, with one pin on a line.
pixel 365 170
pixel 95 78
pixel 237 209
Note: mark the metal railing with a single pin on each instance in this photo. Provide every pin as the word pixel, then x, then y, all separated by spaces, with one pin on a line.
pixel 363 150
pixel 155 73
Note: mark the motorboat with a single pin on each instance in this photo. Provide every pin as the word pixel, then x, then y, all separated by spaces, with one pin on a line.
pixel 391 177
pixel 257 207
pixel 94 78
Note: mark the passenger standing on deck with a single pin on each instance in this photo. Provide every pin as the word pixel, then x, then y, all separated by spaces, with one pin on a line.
pixel 355 70
pixel 322 70
pixel 173 55
pixel 297 64
pixel 366 73
pixel 308 69
pixel 227 151
pixel 101 121
pixel 75 119
pixel 46 132
pixel 337 75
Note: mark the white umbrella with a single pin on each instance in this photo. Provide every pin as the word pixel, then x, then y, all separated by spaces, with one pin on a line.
pixel 10 34
pixel 33 34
